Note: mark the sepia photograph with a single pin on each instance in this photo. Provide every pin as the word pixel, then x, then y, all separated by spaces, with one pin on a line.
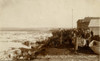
pixel 49 30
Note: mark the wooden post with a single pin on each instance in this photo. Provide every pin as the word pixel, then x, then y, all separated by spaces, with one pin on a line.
pixel 61 38
pixel 76 44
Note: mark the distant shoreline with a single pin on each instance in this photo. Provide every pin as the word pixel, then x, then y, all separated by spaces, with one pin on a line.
pixel 30 29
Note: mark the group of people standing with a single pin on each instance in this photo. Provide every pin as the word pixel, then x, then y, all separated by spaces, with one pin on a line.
pixel 82 38
pixel 76 37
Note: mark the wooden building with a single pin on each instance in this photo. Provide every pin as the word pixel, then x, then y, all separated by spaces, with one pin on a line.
pixel 84 23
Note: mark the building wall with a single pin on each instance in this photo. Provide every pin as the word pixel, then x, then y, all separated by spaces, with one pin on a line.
pixel 96 30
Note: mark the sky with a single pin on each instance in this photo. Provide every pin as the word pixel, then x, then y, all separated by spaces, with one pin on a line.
pixel 46 13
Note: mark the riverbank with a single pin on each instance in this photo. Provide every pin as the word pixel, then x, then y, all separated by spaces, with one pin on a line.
pixel 44 46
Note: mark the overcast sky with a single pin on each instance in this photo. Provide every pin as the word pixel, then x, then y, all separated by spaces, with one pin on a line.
pixel 46 13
